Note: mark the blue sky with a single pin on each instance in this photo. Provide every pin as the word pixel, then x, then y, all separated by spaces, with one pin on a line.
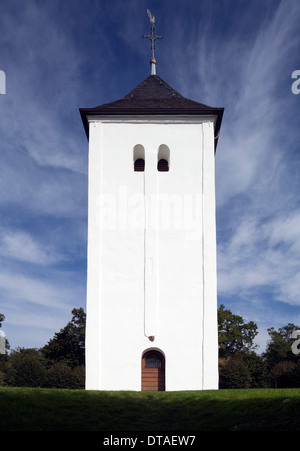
pixel 60 56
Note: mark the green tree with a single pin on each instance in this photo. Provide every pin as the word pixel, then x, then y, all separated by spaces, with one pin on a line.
pixel 60 375
pixel 234 334
pixel 25 368
pixel 279 346
pixel 281 362
pixel 257 368
pixel 294 375
pixel 234 373
pixel 68 345
pixel 281 374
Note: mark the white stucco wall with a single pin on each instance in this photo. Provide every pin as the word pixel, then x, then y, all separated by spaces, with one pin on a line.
pixel 149 269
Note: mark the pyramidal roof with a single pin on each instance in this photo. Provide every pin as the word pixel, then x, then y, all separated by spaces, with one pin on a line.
pixel 153 96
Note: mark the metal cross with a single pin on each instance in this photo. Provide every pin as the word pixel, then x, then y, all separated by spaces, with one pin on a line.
pixel 152 36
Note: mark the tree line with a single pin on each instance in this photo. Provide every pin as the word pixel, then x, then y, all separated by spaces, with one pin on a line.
pixel 61 362
pixel 239 364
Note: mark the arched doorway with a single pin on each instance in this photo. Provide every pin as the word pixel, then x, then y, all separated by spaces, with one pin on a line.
pixel 153 371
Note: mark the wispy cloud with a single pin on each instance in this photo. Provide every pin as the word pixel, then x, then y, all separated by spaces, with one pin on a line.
pixel 42 87
pixel 22 246
pixel 259 256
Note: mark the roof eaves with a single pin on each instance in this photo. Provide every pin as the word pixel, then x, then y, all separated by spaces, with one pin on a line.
pixel 209 111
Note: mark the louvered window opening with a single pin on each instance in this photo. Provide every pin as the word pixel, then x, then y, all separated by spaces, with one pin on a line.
pixel 139 165
pixel 163 165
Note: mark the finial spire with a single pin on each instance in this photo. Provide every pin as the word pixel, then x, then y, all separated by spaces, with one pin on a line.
pixel 152 37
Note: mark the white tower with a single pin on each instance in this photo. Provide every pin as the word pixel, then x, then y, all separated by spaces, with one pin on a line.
pixel 151 273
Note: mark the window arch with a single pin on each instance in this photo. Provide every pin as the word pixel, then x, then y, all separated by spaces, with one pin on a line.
pixel 139 158
pixel 163 158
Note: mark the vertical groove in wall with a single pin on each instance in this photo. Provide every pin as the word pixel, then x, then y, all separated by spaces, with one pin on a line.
pixel 145 226
pixel 203 275
pixel 150 247
pixel 100 245
pixel 93 287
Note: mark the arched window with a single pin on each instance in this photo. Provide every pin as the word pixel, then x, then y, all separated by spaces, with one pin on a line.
pixel 139 158
pixel 163 158
pixel 153 361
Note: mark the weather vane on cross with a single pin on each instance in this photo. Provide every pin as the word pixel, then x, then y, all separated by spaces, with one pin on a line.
pixel 152 37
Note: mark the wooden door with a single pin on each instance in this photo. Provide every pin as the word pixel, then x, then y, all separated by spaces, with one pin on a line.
pixel 153 371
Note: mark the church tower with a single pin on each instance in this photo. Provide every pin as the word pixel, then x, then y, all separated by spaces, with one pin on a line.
pixel 151 272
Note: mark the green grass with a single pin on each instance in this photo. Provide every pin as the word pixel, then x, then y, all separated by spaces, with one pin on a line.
pixel 34 409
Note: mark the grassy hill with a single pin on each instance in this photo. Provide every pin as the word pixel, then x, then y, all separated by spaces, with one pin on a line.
pixel 34 409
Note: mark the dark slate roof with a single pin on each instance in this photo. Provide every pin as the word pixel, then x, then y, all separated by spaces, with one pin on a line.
pixel 153 96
